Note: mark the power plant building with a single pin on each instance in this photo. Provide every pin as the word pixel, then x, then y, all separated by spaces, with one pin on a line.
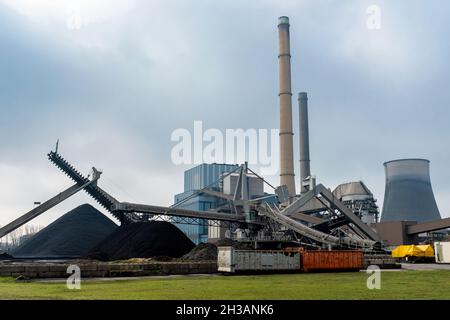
pixel 357 197
pixel 196 179
pixel 255 185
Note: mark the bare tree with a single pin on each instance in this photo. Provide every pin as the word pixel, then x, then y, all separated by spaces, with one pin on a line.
pixel 15 238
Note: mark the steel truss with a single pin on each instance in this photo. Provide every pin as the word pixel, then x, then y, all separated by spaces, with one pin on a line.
pixel 190 221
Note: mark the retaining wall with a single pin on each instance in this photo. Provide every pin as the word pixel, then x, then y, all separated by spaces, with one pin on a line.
pixel 89 270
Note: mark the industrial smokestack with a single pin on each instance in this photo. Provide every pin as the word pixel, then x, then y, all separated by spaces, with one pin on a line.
pixel 408 195
pixel 305 171
pixel 287 176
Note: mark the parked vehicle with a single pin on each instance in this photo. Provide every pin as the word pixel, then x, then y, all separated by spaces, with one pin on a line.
pixel 442 252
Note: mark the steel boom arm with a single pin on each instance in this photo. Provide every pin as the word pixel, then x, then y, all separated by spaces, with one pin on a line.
pixel 27 217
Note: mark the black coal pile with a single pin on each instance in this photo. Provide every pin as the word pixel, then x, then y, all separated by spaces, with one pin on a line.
pixel 72 235
pixel 209 251
pixel 143 240
pixel 202 252
pixel 225 242
pixel 5 256
pixel 235 244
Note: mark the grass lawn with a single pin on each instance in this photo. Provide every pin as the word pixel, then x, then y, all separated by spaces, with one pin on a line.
pixel 394 285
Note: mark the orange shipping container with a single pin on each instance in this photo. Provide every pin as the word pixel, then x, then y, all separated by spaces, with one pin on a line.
pixel 322 260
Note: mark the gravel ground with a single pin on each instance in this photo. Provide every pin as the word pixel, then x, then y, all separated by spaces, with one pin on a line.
pixel 425 266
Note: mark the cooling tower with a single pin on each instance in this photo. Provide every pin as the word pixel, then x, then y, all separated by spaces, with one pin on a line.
pixel 408 195
pixel 285 96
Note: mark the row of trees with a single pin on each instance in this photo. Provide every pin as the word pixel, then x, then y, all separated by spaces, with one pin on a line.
pixel 19 235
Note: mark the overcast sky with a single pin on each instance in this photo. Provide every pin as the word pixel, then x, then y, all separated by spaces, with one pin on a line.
pixel 114 82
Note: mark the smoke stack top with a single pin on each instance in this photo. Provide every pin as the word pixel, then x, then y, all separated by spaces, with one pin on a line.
pixel 303 96
pixel 283 20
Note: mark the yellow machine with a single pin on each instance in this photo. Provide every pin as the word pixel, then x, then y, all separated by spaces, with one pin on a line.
pixel 417 251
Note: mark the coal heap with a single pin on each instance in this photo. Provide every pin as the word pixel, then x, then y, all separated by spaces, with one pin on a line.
pixel 202 252
pixel 143 240
pixel 5 256
pixel 72 235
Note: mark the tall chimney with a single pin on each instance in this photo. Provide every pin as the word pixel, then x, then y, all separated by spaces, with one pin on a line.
pixel 287 176
pixel 304 139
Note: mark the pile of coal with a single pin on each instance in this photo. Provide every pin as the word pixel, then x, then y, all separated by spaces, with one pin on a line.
pixel 226 242
pixel 5 256
pixel 202 252
pixel 143 240
pixel 209 251
pixel 71 236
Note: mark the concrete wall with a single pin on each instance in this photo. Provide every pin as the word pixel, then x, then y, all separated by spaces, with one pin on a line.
pixel 89 270
pixel 393 233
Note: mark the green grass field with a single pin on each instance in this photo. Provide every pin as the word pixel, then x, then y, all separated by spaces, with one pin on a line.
pixel 394 285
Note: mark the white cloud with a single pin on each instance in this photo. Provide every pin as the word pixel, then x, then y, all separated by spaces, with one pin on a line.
pixel 443 202
pixel 23 185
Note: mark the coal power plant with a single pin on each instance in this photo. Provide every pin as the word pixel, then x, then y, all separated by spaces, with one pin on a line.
pixel 225 215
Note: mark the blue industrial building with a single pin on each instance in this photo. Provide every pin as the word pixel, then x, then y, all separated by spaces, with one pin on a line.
pixel 196 179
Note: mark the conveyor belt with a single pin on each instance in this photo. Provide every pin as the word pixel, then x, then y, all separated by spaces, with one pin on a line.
pixel 27 217
pixel 321 237
pixel 334 203
pixel 101 196
pixel 159 210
